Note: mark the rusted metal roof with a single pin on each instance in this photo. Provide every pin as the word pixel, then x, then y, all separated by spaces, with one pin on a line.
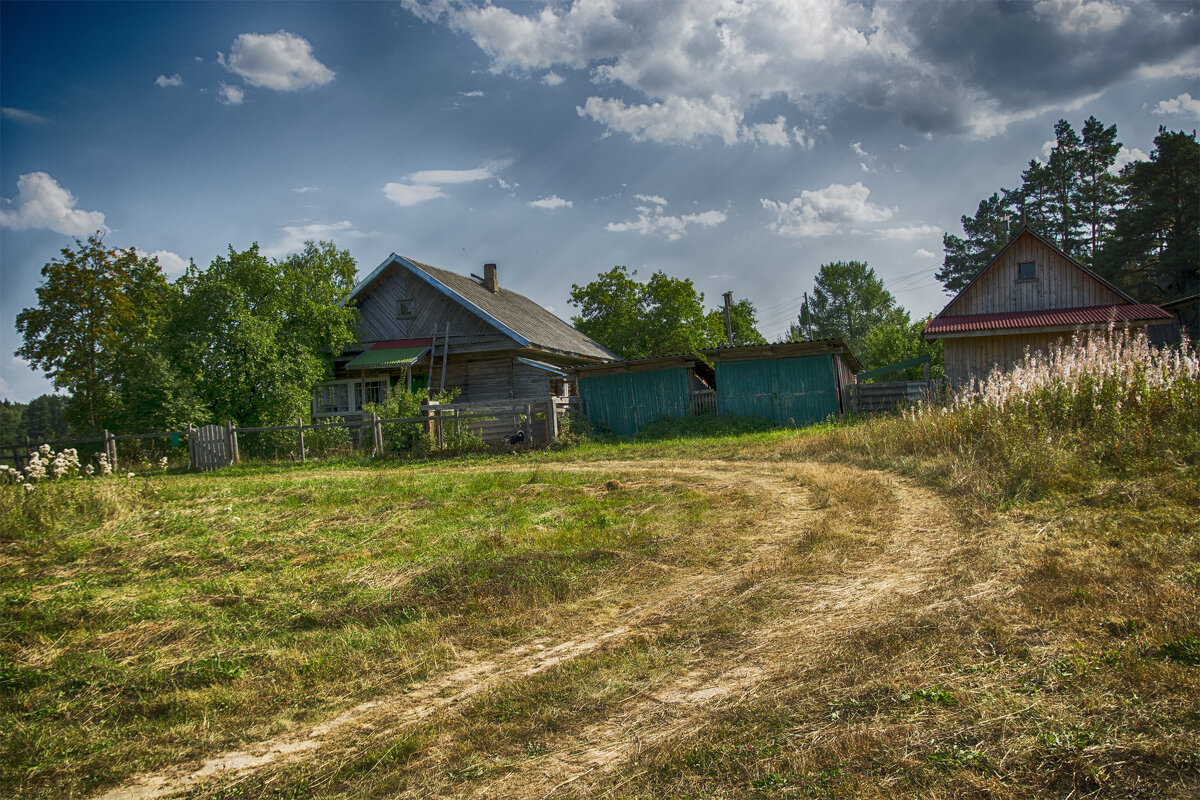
pixel 1087 316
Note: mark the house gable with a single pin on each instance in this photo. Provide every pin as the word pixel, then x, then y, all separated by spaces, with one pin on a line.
pixel 1058 282
pixel 400 300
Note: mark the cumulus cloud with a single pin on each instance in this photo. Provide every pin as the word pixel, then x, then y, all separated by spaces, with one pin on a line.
pixel 472 93
pixel 824 212
pixel 552 78
pixel 42 203
pixel 230 95
pixel 1124 156
pixel 172 263
pixel 1183 104
pixel 921 252
pixel 20 115
pixel 652 221
pixel 174 80
pixel 305 189
pixel 678 72
pixel 551 202
pixel 282 61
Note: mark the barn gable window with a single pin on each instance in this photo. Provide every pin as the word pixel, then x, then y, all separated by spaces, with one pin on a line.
pixel 404 309
pixel 1027 271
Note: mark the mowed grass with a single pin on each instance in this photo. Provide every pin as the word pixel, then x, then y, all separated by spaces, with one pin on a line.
pixel 151 620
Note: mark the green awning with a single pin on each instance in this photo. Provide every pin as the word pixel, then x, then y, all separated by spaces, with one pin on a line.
pixel 383 357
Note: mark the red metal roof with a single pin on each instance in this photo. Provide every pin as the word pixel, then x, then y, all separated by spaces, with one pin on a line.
pixel 1047 318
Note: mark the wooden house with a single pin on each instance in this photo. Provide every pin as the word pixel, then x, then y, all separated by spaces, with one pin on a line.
pixel 1029 297
pixel 791 384
pixel 424 327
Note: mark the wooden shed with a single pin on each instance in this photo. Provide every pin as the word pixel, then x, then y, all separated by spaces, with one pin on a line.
pixel 791 384
pixel 1029 297
pixel 624 396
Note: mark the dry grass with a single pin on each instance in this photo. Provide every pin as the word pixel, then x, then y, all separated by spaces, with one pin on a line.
pixel 735 617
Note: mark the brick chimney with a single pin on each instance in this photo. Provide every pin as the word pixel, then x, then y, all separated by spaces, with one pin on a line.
pixel 490 281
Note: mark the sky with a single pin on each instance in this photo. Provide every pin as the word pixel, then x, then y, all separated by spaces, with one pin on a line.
pixel 738 144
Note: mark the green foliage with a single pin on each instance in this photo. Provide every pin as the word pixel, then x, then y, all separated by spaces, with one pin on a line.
pixel 1154 252
pixel 704 426
pixel 848 302
pixel 1071 198
pixel 97 309
pixel 896 339
pixel 662 316
pixel 42 419
pixel 253 332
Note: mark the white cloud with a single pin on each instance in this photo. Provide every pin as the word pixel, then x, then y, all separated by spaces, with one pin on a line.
pixel 909 232
pixel 406 194
pixel 651 220
pixel 472 93
pixel 20 115
pixel 686 71
pixel 231 95
pixel 1083 16
pixel 42 203
pixel 921 252
pixel 552 78
pixel 772 133
pixel 442 176
pixel 825 211
pixel 551 202
pixel 1183 104
pixel 1124 156
pixel 305 189
pixel 282 61
pixel 172 263
pixel 174 80
pixel 294 236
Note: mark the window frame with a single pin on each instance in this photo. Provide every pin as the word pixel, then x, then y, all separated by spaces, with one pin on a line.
pixel 1021 277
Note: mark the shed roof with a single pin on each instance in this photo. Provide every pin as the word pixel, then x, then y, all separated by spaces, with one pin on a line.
pixel 1065 318
pixel 515 315
pixel 786 350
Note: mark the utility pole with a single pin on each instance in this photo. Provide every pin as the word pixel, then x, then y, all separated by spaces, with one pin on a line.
pixel 728 323
pixel 807 318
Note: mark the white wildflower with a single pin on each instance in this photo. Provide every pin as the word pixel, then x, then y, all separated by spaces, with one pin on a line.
pixel 29 487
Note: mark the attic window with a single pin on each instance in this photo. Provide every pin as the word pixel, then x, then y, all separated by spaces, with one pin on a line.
pixel 404 309
pixel 1027 271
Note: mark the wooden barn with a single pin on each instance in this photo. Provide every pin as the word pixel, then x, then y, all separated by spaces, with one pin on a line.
pixel 791 384
pixel 1031 296
pixel 420 326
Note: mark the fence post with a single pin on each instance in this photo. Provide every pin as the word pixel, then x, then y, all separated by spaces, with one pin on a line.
pixel 529 425
pixel 110 448
pixel 551 420
pixel 231 437
pixel 376 435
pixel 441 433
pixel 300 432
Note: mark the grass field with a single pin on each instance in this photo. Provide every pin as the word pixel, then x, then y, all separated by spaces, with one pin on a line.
pixel 840 612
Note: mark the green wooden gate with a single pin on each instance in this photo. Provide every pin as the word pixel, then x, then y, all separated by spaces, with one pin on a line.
pixel 625 402
pixel 790 391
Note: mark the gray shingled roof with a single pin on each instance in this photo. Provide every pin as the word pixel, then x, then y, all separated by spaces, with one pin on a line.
pixel 516 311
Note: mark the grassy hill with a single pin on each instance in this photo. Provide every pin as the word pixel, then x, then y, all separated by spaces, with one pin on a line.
pixel 998 601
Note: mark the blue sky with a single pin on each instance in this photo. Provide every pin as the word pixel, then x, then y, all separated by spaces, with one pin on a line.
pixel 739 144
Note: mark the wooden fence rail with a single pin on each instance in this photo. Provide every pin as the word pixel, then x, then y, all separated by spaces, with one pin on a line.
pixel 214 446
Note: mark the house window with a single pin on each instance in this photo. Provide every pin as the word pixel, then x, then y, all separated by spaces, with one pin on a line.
pixel 375 391
pixel 332 398
pixel 1027 271
pixel 404 309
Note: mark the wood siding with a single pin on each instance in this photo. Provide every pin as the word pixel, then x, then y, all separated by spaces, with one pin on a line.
pixel 1059 284
pixel 431 308
pixel 978 355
